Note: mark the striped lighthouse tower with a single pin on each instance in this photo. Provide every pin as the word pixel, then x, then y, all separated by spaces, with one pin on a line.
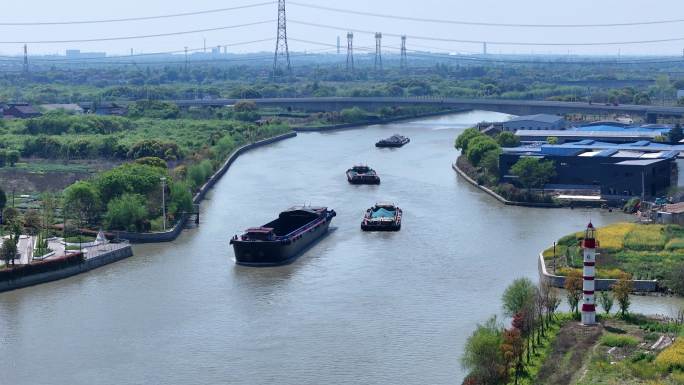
pixel 588 275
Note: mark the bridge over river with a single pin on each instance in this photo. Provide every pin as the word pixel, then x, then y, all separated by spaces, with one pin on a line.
pixel 516 107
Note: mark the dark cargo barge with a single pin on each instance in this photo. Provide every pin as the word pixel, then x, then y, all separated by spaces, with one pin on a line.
pixel 382 217
pixel 395 140
pixel 362 175
pixel 281 241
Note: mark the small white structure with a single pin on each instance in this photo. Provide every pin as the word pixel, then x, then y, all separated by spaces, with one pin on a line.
pixel 588 276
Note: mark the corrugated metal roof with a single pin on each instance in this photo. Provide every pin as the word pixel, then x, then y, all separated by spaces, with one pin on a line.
pixel 545 118
pixel 639 162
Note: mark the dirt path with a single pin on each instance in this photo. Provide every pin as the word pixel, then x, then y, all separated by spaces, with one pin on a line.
pixel 568 354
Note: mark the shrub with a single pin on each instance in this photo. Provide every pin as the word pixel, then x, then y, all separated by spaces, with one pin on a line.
pixel 616 340
pixel 126 212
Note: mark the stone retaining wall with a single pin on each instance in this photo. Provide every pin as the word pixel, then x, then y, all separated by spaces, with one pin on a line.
pixel 87 265
pixel 640 286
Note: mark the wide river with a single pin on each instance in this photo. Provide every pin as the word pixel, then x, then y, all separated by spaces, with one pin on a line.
pixel 357 308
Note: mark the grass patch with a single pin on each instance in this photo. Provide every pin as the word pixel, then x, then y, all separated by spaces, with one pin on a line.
pixel 79 239
pixel 672 358
pixel 618 340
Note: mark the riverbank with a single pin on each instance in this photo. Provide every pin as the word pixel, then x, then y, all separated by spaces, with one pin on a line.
pixel 97 256
pixel 379 121
pixel 496 196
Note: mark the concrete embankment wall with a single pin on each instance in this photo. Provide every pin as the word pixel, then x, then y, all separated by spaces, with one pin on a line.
pixel 87 265
pixel 379 121
pixel 172 234
pixel 640 286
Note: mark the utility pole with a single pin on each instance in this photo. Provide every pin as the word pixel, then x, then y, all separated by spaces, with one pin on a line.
pixel 338 45
pixel 484 48
pixel 205 45
pixel 350 52
pixel 26 64
pixel 281 40
pixel 378 52
pixel 403 62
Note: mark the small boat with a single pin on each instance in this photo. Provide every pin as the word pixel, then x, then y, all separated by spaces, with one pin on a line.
pixel 362 175
pixel 382 217
pixel 395 140
pixel 282 240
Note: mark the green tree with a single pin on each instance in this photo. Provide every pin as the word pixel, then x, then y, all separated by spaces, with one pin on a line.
pixel 675 279
pixel 478 147
pixel 10 215
pixel 533 172
pixel 552 140
pixel 82 200
pixel 32 221
pixel 621 290
pixel 605 299
pixel 465 137
pixel 152 161
pixel 8 250
pixel 482 355
pixel 518 296
pixel 180 198
pixel 12 157
pixel 490 162
pixel 507 139
pixel 126 212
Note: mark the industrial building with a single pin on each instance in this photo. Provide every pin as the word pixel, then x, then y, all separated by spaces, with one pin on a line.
pixel 535 122
pixel 620 172
pixel 606 133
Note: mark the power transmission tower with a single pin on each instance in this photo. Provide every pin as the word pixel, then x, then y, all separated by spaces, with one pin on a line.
pixel 378 51
pixel 484 47
pixel 26 66
pixel 186 59
pixel 403 63
pixel 281 40
pixel 338 45
pixel 350 52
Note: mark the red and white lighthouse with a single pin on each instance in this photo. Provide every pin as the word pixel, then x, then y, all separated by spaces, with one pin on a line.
pixel 588 276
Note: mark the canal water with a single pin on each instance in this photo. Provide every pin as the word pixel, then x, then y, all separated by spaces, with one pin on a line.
pixel 357 308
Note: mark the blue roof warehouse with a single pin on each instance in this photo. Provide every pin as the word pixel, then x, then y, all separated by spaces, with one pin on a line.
pixel 619 171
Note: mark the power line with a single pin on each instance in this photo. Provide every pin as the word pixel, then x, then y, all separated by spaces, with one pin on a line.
pixel 102 21
pixel 185 50
pixel 486 24
pixel 134 37
pixel 490 59
pixel 432 38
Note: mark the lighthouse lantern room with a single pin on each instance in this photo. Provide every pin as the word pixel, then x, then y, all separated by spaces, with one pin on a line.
pixel 588 276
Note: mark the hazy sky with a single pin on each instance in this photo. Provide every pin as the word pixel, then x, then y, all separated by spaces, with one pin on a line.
pixel 499 11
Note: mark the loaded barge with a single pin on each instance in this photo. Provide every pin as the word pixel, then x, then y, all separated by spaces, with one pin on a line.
pixel 395 140
pixel 382 217
pixel 282 240
pixel 362 175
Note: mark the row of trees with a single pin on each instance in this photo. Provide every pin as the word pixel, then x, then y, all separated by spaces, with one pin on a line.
pixel 483 151
pixel 495 354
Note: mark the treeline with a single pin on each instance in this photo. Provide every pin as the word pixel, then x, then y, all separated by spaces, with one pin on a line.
pixel 51 147
pixel 129 197
pixel 61 123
